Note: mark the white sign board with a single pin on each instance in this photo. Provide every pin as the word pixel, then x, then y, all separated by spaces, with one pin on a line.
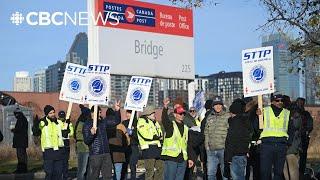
pixel 257 71
pixel 98 84
pixel 156 40
pixel 138 93
pixel 73 84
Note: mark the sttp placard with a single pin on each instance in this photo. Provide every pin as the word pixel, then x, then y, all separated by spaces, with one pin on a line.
pixel 145 39
pixel 98 84
pixel 138 93
pixel 257 71
pixel 73 84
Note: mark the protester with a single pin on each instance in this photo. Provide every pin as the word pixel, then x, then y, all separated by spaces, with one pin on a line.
pixel 82 149
pixel 52 144
pixel 237 141
pixel 132 153
pixel 215 128
pixel 67 132
pixel 291 166
pixel 97 140
pixel 118 142
pixel 150 137
pixel 1 136
pixel 254 151
pixel 277 127
pixel 307 127
pixel 174 150
pixel 20 141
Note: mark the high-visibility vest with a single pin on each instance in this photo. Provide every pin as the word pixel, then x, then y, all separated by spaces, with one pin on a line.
pixel 65 127
pixel 176 144
pixel 275 126
pixel 146 130
pixel 51 135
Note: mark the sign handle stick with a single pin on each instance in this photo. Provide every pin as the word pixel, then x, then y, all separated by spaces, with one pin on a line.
pixel 69 110
pixel 131 119
pixel 95 116
pixel 260 106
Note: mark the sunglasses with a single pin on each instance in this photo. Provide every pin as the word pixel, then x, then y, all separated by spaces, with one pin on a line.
pixel 192 111
pixel 278 100
pixel 182 114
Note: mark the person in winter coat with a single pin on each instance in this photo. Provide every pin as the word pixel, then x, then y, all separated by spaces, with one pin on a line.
pixel 97 140
pixel 20 141
pixel 237 141
pixel 67 132
pixel 1 136
pixel 291 165
pixel 132 153
pixel 118 143
pixel 215 128
pixel 82 149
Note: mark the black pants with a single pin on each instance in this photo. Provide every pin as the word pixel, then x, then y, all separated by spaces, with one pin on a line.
pixel 132 157
pixel 303 155
pixel 272 154
pixel 65 164
pixel 53 169
pixel 22 166
pixel 99 163
pixel 254 162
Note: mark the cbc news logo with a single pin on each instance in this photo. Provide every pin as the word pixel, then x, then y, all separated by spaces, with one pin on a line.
pixel 64 18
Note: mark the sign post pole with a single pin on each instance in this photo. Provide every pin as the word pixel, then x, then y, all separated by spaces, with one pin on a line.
pixel 260 106
pixel 131 119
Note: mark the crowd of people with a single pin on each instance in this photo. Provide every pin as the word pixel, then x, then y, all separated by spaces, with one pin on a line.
pixel 224 143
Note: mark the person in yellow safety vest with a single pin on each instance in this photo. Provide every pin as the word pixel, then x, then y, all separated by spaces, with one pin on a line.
pixel 67 132
pixel 150 137
pixel 52 144
pixel 276 137
pixel 174 150
pixel 193 112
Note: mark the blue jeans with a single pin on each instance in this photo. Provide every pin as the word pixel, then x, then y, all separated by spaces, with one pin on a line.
pixel 214 158
pixel 174 170
pixel 117 171
pixel 272 154
pixel 82 164
pixel 238 167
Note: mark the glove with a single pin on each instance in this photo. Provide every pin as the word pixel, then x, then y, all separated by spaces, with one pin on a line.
pixel 226 172
pixel 155 137
pixel 68 121
pixel 129 131
pixel 65 133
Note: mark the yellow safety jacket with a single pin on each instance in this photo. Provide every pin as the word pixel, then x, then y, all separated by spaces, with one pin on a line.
pixel 176 144
pixel 275 126
pixel 146 130
pixel 51 136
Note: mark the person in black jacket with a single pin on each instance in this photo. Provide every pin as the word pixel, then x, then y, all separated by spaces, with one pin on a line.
pixel 132 153
pixel 97 140
pixel 1 136
pixel 307 127
pixel 20 141
pixel 237 141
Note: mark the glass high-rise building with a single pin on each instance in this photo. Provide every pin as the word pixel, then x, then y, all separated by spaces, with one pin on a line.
pixel 288 72
pixel 54 76
pixel 39 81
pixel 78 52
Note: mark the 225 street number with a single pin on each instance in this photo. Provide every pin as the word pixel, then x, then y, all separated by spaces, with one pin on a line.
pixel 186 68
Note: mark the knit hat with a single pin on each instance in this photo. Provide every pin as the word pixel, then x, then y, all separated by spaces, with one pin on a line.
pixel 62 114
pixel 47 109
pixel 148 110
pixel 85 111
pixel 237 107
pixel 208 104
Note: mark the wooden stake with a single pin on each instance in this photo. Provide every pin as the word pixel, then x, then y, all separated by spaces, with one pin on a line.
pixel 131 119
pixel 95 116
pixel 69 110
pixel 260 106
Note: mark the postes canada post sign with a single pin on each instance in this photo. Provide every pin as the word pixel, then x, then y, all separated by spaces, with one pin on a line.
pixel 146 39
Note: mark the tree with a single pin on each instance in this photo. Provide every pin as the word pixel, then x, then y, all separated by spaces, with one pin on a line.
pixel 301 16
